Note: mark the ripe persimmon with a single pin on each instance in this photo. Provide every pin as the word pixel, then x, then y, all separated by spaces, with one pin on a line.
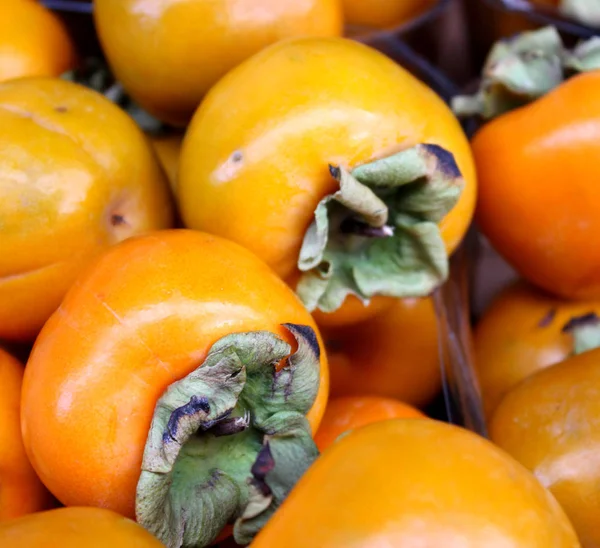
pixel 75 527
pixel 76 175
pixel 345 414
pixel 21 491
pixel 168 54
pixel 395 354
pixel 550 422
pixel 33 41
pixel 522 332
pixel 168 361
pixel 323 132
pixel 410 482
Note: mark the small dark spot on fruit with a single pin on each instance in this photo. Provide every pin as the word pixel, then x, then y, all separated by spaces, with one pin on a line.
pixel 61 109
pixel 237 157
pixel 117 220
pixel 547 319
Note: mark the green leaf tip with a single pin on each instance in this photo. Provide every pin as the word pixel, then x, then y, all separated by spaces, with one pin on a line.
pixel 523 68
pixel 228 441
pixel 378 234
pixel 585 330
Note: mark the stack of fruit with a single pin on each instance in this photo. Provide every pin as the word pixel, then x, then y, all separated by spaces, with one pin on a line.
pixel 218 255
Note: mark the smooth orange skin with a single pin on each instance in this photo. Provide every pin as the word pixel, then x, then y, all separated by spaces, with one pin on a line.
pixel 69 161
pixel 33 41
pixel 168 150
pixel 384 13
pixel 551 424
pixel 168 54
pixel 76 527
pixel 539 201
pixel 345 414
pixel 21 491
pixel 394 354
pixel 259 145
pixel 143 316
pixel 417 482
pixel 519 334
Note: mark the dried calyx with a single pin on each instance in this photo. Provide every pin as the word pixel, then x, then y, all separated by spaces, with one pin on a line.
pixel 379 234
pixel 229 441
pixel 523 68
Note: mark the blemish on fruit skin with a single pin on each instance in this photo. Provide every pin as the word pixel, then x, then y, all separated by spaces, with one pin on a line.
pixel 61 109
pixel 229 169
pixel 547 319
pixel 117 220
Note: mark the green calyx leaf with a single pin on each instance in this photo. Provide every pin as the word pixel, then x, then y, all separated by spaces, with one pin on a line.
pixel 378 234
pixel 521 69
pixel 585 330
pixel 584 11
pixel 229 440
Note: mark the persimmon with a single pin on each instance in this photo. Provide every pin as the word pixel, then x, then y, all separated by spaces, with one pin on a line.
pixel 21 491
pixel 337 167
pixel 412 482
pixel 75 527
pixel 550 422
pixel 67 191
pixel 383 14
pixel 522 332
pixel 343 415
pixel 168 149
pixel 169 361
pixel 395 354
pixel 169 54
pixel 538 161
pixel 33 41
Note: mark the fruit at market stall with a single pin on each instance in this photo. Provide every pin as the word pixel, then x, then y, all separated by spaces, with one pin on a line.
pixel 21 491
pixel 168 54
pixel 335 162
pixel 175 345
pixel 76 176
pixel 343 415
pixel 33 41
pixel 168 148
pixel 384 14
pixel 394 354
pixel 408 483
pixel 75 527
pixel 551 423
pixel 522 332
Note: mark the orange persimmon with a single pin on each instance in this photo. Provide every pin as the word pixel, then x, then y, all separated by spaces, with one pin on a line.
pixel 345 414
pixel 21 491
pixel 168 54
pixel 408 483
pixel 312 117
pixel 33 41
pixel 395 354
pixel 550 422
pixel 383 14
pixel 521 332
pixel 169 335
pixel 75 527
pixel 539 201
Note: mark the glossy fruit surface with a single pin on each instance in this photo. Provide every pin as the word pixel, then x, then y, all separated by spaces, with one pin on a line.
pixel 520 333
pixel 75 527
pixel 551 424
pixel 143 316
pixel 394 354
pixel 33 41
pixel 539 202
pixel 384 13
pixel 414 482
pixel 345 414
pixel 68 190
pixel 259 146
pixel 21 491
pixel 168 54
